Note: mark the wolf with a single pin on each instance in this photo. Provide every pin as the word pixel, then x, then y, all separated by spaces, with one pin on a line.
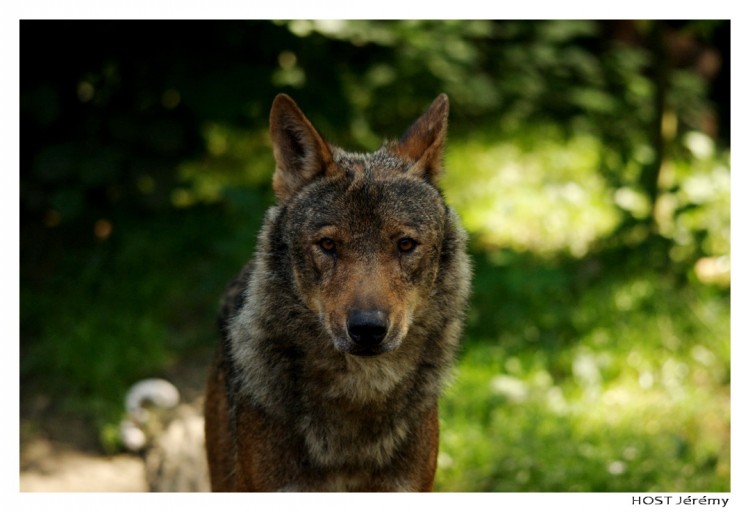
pixel 338 335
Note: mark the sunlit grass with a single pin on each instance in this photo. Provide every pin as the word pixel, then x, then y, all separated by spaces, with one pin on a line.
pixel 544 195
pixel 586 376
pixel 636 399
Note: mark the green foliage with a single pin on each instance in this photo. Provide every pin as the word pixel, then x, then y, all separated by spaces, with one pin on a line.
pixel 600 373
pixel 621 384
pixel 536 190
pixel 103 315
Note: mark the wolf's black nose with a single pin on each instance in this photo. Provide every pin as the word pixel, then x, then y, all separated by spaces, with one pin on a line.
pixel 367 328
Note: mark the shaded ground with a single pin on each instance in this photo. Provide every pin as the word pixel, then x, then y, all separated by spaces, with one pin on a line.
pixel 61 452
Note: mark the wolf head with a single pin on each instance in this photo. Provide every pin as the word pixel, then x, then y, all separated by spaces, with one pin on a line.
pixel 365 232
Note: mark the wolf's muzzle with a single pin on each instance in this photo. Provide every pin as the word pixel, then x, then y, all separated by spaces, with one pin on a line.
pixel 367 328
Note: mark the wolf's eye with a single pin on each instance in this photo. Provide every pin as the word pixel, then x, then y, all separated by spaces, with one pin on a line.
pixel 328 245
pixel 406 245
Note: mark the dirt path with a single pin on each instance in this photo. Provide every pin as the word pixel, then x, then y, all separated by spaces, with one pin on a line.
pixel 60 453
pixel 49 467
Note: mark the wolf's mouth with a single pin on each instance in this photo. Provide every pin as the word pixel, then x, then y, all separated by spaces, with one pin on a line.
pixel 364 352
pixel 346 345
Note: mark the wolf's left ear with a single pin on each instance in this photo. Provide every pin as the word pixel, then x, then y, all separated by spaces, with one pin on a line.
pixel 423 142
pixel 301 153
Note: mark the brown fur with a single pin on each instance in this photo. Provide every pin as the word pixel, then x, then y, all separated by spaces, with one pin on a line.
pixel 338 335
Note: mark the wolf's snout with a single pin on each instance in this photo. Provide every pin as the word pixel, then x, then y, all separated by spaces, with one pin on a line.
pixel 367 328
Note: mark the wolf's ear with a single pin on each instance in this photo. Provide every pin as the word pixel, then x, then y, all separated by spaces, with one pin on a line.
pixel 301 153
pixel 422 143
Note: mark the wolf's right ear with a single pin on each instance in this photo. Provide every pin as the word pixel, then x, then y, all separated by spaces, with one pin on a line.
pixel 301 153
pixel 422 144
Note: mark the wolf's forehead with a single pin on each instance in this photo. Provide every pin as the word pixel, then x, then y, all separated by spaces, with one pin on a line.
pixel 370 203
pixel 381 161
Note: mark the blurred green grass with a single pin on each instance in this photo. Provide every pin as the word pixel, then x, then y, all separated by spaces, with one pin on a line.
pixel 585 366
pixel 622 386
